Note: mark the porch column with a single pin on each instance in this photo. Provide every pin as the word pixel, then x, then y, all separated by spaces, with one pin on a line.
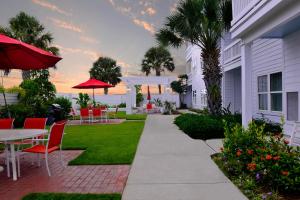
pixel 129 99
pixel 246 72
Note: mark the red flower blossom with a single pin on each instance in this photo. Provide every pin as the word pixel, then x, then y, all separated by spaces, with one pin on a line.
pixel 276 157
pixel 285 173
pixel 238 153
pixel 250 151
pixel 286 141
pixel 222 149
pixel 251 166
pixel 268 157
pixel 262 158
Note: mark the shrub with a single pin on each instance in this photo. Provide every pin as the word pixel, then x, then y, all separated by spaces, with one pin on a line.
pixel 122 105
pixel 65 105
pixel 19 112
pixel 270 128
pixel 200 126
pixel 269 160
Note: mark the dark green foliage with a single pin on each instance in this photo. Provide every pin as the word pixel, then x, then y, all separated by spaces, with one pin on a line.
pixel 122 105
pixel 19 112
pixel 64 196
pixel 139 95
pixel 205 126
pixel 65 105
pixel 200 126
pixel 106 69
pixel 270 128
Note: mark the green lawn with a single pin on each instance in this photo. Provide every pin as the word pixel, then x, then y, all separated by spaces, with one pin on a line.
pixel 104 143
pixel 62 196
pixel 122 115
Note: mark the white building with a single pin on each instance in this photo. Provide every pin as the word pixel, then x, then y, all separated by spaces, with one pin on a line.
pixel 196 95
pixel 261 60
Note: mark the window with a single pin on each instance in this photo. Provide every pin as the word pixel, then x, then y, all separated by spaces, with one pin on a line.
pixel 292 106
pixel 270 92
pixel 262 92
pixel 276 91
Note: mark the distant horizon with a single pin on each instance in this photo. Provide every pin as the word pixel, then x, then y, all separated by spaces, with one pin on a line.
pixel 84 31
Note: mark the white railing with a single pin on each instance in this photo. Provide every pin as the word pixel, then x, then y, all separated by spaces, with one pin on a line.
pixel 203 99
pixel 241 7
pixel 232 51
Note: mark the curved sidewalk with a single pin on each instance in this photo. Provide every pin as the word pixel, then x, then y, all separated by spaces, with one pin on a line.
pixel 171 166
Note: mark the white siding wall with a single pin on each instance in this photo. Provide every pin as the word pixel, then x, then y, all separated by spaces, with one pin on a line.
pixel 10 98
pixel 291 48
pixel 267 57
pixel 232 92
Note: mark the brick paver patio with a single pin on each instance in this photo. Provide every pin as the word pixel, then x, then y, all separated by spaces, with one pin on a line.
pixel 71 179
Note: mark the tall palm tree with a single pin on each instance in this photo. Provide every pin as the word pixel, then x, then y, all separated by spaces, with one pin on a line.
pixel 28 29
pixel 202 23
pixel 157 59
pixel 106 69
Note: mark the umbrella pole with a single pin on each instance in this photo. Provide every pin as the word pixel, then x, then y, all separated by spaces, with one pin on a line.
pixel 94 97
pixel 4 97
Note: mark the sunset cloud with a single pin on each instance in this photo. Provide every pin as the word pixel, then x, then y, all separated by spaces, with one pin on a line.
pixel 51 6
pixel 66 25
pixel 91 54
pixel 88 40
pixel 151 11
pixel 147 26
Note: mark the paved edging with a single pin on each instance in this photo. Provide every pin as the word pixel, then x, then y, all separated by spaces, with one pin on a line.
pixel 171 166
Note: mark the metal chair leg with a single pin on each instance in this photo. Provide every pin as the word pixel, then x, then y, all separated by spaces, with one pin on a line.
pixel 47 166
pixel 7 160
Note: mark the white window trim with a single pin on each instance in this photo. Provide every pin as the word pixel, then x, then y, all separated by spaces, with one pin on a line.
pixel 269 94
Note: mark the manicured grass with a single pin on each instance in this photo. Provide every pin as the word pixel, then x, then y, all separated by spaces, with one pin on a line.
pixel 63 196
pixel 122 115
pixel 104 143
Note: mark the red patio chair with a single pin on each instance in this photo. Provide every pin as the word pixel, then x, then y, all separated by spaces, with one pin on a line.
pixel 97 113
pixel 30 123
pixel 54 142
pixel 7 123
pixel 84 114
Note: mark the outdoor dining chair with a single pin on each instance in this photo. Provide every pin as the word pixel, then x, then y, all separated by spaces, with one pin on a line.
pixel 7 123
pixel 96 114
pixel 84 115
pixel 29 123
pixel 54 142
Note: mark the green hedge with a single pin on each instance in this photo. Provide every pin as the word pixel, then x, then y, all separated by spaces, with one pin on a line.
pixel 205 126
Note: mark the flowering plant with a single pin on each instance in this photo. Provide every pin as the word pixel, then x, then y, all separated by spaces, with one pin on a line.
pixel 271 161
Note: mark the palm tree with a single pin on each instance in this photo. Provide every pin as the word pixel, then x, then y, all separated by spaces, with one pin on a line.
pixel 202 23
pixel 28 29
pixel 157 59
pixel 106 69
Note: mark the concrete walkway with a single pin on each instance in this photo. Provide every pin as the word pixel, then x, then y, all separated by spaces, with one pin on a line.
pixel 170 166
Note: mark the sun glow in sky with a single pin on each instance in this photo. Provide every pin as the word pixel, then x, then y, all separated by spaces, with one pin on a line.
pixel 85 30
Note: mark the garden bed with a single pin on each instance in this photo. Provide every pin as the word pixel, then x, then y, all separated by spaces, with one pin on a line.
pixel 263 167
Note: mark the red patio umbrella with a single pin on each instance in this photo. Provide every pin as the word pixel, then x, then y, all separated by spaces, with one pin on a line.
pixel 93 84
pixel 15 54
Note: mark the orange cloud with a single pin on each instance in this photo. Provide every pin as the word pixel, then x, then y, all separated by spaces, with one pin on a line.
pixel 89 40
pixel 151 11
pixel 52 7
pixel 147 26
pixel 66 25
pixel 93 55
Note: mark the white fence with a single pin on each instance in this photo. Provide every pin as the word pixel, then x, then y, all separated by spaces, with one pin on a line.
pixel 11 98
pixel 117 99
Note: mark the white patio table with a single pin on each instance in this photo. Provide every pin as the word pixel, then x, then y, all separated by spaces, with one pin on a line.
pixel 9 135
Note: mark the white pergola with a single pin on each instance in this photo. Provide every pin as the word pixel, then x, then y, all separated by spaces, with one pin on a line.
pixel 131 81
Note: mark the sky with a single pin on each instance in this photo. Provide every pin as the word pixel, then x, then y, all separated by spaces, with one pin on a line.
pixel 84 30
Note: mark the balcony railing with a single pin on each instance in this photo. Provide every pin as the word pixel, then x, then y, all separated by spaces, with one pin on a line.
pixel 241 7
pixel 232 52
